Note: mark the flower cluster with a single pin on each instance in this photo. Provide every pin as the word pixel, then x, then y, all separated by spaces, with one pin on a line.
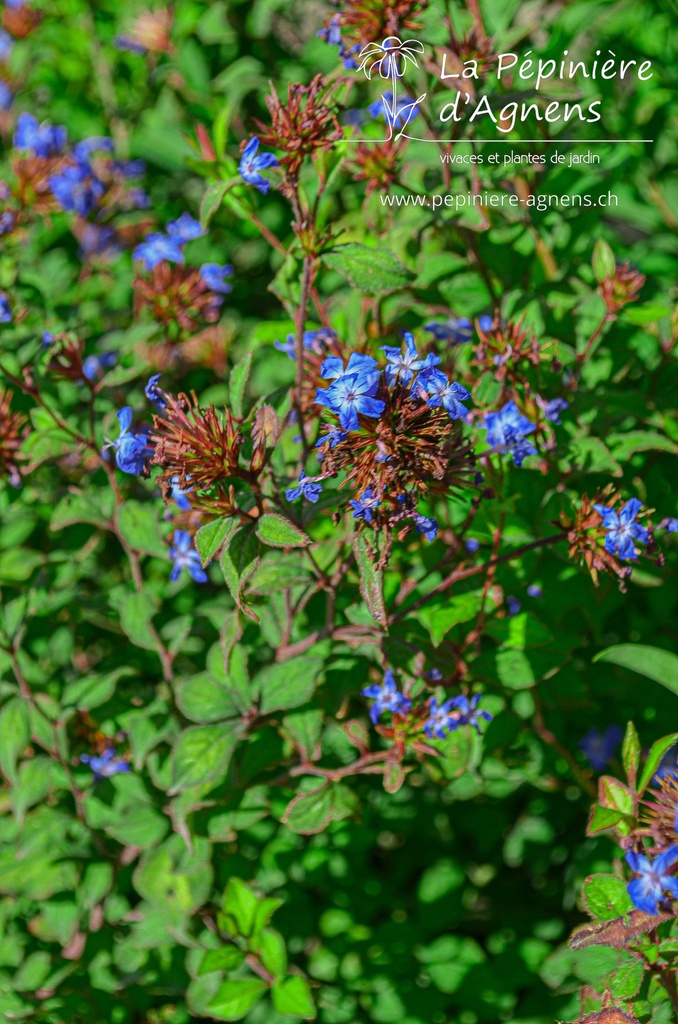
pixel 601 537
pixel 303 123
pixel 367 20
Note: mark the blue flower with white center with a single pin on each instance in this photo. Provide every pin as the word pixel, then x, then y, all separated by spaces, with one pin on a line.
pixel 214 276
pixel 456 330
pixel 106 764
pixel 426 525
pixel 43 140
pixel 363 506
pixel 184 556
pixel 179 495
pixel 253 163
pixel 76 189
pixel 441 720
pixel 82 151
pixel 93 366
pixel 350 395
pixel 405 109
pixel 507 430
pixel 185 228
pixel 469 712
pixel 386 697
pixel 599 747
pixel 534 590
pixel 153 393
pixel 622 529
pixel 131 450
pixel 402 365
pixel 306 488
pixel 553 409
pixel 333 367
pixel 485 322
pixel 449 395
pixel 655 883
pixel 5 310
pixel 47 339
pixel 157 247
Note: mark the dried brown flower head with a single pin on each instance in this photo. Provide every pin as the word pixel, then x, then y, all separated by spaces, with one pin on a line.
pixel 370 21
pixel 660 807
pixel 176 295
pixel 302 124
pixel 378 165
pixel 623 287
pixel 505 346
pixel 586 536
pixel 12 431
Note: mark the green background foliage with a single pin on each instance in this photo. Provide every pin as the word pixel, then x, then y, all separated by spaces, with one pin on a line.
pixel 449 898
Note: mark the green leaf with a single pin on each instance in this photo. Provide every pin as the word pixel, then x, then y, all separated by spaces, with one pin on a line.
pixel 603 261
pixel 371 580
pixel 14 734
pixel 202 699
pixel 623 446
pixel 211 201
pixel 625 981
pixel 456 609
pixel 201 755
pixel 514 669
pixel 270 947
pixel 631 753
pixel 234 999
pixel 646 314
pixel 373 271
pixel 312 812
pixel 603 818
pixel 225 959
pixel 605 897
pixel 239 561
pixel 93 690
pixel 240 902
pixel 138 524
pixel 209 538
pixel 614 794
pixel 654 757
pixel 662 666
pixel 293 998
pixel 237 382
pixel 288 684
pixel 303 729
pixel 278 532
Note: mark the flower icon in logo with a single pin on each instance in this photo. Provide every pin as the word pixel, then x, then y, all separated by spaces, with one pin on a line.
pixel 389 57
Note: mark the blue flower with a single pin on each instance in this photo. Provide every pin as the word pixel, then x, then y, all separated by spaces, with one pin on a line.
pixel 7 222
pixel 6 95
pixel 471 545
pixel 332 35
pixel 362 506
pixel 184 556
pixel 83 150
pixel 214 276
pixel 252 163
pixel 506 431
pixel 129 168
pixel 76 190
pixel 127 43
pixel 670 525
pixel 485 322
pixel 93 365
pixel 5 311
pixel 334 436
pixel 534 590
pixel 513 605
pixel 179 494
pixel 305 489
pixel 426 525
pixel 43 140
pixel 153 392
pixel 185 228
pixel 131 449
pixel 47 339
pixel 402 365
pixel 99 240
pixel 450 396
pixel 6 44
pixel 651 888
pixel 455 330
pixel 469 711
pixel 386 697
pixel 441 720
pixel 352 392
pixel 622 529
pixel 667 766
pixel 106 764
pixel 599 747
pixel 553 409
pixel 157 247
pixel 405 109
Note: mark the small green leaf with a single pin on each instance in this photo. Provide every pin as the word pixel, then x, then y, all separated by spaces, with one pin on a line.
pixel 270 947
pixel 662 666
pixel 312 812
pixel 288 684
pixel 201 755
pixel 236 998
pixel 625 981
pixel 605 897
pixel 239 561
pixel 603 261
pixel 211 201
pixel 293 998
pixel 138 524
pixel 225 959
pixel 602 818
pixel 14 735
pixel 237 382
pixel 209 538
pixel 278 532
pixel 654 757
pixel 631 753
pixel 240 902
pixel 202 699
pixel 373 271
pixel 371 580
pixel 615 795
